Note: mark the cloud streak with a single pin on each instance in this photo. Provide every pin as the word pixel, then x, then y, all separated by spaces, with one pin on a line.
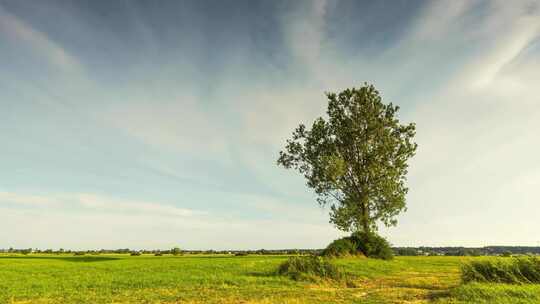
pixel 95 203
pixel 149 224
pixel 20 32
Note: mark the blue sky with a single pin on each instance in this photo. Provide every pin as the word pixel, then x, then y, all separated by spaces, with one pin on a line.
pixel 148 124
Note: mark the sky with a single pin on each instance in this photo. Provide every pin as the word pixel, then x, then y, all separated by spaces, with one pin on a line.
pixel 155 124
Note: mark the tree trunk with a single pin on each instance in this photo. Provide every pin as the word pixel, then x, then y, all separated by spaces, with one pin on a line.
pixel 365 217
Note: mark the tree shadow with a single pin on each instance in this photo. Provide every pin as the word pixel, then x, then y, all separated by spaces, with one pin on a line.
pixel 76 259
pixel 436 295
pixel 262 274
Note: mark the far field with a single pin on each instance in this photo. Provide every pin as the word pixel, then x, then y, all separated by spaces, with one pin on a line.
pixel 249 279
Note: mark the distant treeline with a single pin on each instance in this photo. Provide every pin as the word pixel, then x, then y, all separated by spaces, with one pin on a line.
pixel 467 251
pixel 174 251
pixel 400 251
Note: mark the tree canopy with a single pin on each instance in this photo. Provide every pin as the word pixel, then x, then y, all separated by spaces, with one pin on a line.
pixel 356 159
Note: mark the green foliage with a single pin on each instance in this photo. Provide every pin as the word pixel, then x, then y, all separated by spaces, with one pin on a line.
pixel 360 243
pixel 406 252
pixel 472 252
pixel 356 159
pixel 504 270
pixel 311 268
pixel 135 253
pixel 343 247
pixel 373 245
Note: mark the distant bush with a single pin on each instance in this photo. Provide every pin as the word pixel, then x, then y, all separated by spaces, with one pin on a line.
pixel 406 252
pixel 135 253
pixel 158 254
pixel 80 253
pixel 311 268
pixel 241 254
pixel 508 270
pixel 343 247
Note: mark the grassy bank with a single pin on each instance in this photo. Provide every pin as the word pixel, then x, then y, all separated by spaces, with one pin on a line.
pixel 250 279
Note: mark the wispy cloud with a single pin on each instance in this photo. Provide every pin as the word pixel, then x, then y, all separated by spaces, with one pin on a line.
pixel 474 131
pixel 113 223
pixel 95 203
pixel 176 123
pixel 26 199
pixel 189 121
pixel 438 19
pixel 20 32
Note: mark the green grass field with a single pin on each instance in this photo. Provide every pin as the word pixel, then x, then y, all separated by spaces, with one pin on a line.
pixel 250 279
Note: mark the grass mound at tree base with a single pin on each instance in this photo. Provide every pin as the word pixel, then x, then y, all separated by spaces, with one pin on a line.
pixel 517 270
pixel 343 247
pixel 360 243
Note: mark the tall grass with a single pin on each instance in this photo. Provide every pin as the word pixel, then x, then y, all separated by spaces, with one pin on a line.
pixel 518 270
pixel 312 268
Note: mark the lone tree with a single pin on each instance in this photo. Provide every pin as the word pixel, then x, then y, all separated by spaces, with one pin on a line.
pixel 356 160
